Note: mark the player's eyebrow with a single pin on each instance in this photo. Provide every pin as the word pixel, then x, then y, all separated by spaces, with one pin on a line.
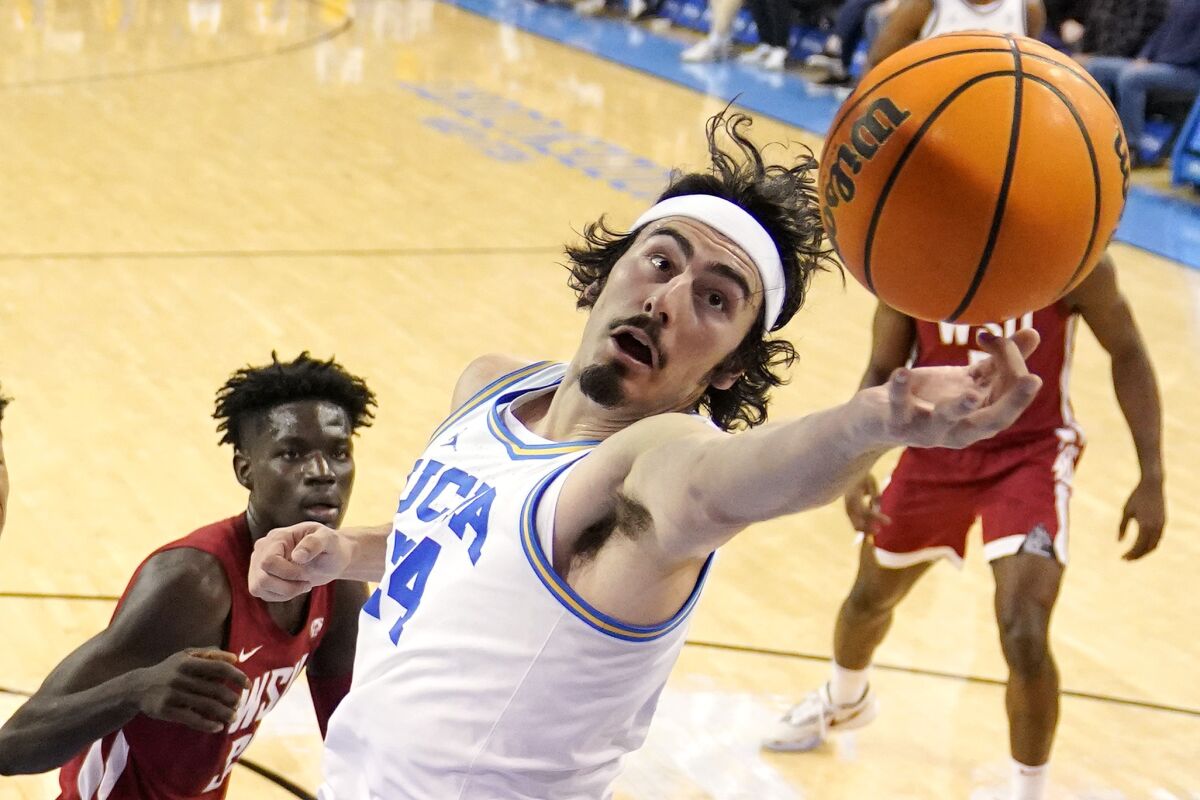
pixel 723 270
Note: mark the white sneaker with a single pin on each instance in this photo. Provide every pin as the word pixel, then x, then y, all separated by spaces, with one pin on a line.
pixel 589 8
pixel 811 721
pixel 707 49
pixel 823 61
pixel 775 59
pixel 756 55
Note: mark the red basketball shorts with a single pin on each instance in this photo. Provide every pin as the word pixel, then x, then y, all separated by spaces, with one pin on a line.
pixel 1020 494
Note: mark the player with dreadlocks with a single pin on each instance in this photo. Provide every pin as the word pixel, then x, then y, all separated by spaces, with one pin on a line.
pixel 191 662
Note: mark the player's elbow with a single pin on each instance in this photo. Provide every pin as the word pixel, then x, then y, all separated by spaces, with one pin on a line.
pixel 27 747
pixel 14 758
pixel 1130 359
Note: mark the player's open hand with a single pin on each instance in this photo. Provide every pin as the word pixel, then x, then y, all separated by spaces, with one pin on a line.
pixel 288 562
pixel 1148 507
pixel 199 688
pixel 958 406
pixel 862 506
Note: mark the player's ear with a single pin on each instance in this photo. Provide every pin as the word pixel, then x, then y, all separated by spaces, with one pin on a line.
pixel 241 469
pixel 724 379
pixel 727 373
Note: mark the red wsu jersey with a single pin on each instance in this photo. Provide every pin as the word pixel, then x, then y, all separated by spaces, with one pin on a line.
pixel 153 760
pixel 948 344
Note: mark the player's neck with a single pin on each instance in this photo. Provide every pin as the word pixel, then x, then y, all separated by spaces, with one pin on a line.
pixel 258 528
pixel 567 415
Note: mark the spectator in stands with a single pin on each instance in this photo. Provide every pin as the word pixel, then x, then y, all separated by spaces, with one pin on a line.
pixel 920 19
pixel 1119 27
pixel 773 18
pixel 1064 23
pixel 718 45
pixel 1168 66
pixel 850 28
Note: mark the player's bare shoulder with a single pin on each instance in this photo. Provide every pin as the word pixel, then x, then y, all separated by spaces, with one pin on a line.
pixel 191 579
pixel 590 492
pixel 481 372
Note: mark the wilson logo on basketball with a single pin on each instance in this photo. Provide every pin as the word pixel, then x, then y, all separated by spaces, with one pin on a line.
pixel 1122 151
pixel 971 177
pixel 868 133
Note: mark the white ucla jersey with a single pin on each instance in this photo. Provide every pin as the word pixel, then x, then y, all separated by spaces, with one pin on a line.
pixel 480 674
pixel 954 16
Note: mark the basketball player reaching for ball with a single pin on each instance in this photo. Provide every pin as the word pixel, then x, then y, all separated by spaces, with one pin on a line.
pixel 3 467
pixel 551 542
pixel 914 20
pixel 149 708
pixel 1018 483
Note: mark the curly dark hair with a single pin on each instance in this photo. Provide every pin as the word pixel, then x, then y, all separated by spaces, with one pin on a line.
pixel 783 199
pixel 255 390
pixel 4 401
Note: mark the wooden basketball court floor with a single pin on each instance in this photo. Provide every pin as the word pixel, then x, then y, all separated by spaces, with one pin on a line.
pixel 190 185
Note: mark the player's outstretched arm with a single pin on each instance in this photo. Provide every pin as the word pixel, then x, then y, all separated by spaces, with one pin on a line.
pixel 1106 311
pixel 702 488
pixel 157 657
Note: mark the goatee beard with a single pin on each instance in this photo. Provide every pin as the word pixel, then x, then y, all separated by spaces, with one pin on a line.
pixel 601 383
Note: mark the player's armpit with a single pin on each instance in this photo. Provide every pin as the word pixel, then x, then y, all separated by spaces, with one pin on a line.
pixel 591 489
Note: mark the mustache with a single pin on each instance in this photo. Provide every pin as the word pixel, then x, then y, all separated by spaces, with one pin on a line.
pixel 649 325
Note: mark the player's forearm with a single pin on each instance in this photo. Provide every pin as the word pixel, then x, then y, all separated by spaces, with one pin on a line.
pixel 48 730
pixel 1137 394
pixel 787 467
pixel 367 548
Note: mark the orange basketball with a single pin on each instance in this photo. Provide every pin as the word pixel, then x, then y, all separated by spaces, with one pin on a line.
pixel 973 177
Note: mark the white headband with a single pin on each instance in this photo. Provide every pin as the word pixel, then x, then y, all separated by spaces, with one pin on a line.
pixel 734 222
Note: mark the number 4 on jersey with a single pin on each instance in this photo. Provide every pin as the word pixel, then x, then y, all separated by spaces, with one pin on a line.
pixel 406 584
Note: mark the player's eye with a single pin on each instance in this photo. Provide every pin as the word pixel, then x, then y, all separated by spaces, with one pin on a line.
pixel 660 263
pixel 716 300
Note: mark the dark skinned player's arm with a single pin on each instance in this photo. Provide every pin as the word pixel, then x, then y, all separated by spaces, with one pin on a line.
pixel 1035 18
pixel 1106 311
pixel 332 664
pixel 142 663
pixel 892 337
pixel 902 28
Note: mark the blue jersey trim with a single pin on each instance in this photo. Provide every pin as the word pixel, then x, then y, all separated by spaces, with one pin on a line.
pixel 520 451
pixel 487 392
pixel 607 625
